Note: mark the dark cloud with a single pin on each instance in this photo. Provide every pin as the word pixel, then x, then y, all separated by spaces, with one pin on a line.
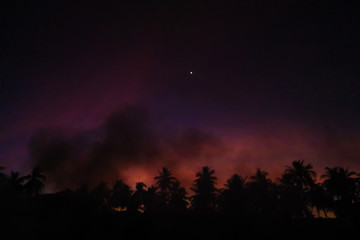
pixel 127 139
pixel 51 151
pixel 131 146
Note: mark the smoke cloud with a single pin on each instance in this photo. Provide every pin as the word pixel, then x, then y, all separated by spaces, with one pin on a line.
pixel 126 147
pixel 133 147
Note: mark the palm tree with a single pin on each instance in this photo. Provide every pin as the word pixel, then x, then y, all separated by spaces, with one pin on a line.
pixel 100 196
pixel 236 183
pixel 15 182
pixel 35 183
pixel 341 184
pixel 296 183
pixel 320 199
pixel 151 201
pixel 178 200
pixel 121 194
pixel 140 187
pixel 205 191
pixel 263 194
pixel 260 177
pixel 302 176
pixel 137 199
pixel 165 180
pixel 259 183
pixel 233 199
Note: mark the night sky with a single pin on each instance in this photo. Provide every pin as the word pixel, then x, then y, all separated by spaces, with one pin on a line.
pixel 92 90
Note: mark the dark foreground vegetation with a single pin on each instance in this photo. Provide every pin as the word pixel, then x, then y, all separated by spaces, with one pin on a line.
pixel 295 206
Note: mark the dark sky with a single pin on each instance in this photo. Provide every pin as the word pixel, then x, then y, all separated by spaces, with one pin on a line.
pixel 271 82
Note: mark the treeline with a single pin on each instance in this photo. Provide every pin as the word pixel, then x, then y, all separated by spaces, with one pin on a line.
pixel 296 194
pixel 256 199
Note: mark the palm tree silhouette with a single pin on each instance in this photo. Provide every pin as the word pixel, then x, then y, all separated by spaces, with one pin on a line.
pixel 100 196
pixel 121 194
pixel 15 182
pixel 236 183
pixel 296 183
pixel 151 201
pixel 340 183
pixel 233 199
pixel 205 191
pixel 178 200
pixel 140 187
pixel 320 199
pixel 302 176
pixel 260 177
pixel 35 183
pixel 137 199
pixel 263 194
pixel 342 186
pixel 165 180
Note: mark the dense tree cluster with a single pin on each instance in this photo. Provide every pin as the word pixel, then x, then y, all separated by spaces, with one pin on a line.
pixel 296 195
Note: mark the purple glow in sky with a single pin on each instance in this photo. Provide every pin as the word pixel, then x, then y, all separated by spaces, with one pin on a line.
pixel 257 84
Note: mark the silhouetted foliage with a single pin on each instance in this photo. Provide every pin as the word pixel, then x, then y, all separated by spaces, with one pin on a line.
pixel 2 175
pixel 204 199
pixel 100 196
pixel 178 199
pixel 263 195
pixel 35 183
pixel 244 203
pixel 234 199
pixel 342 185
pixel 15 182
pixel 320 199
pixel 295 185
pixel 121 195
pixel 299 175
pixel 165 181
pixel 137 199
